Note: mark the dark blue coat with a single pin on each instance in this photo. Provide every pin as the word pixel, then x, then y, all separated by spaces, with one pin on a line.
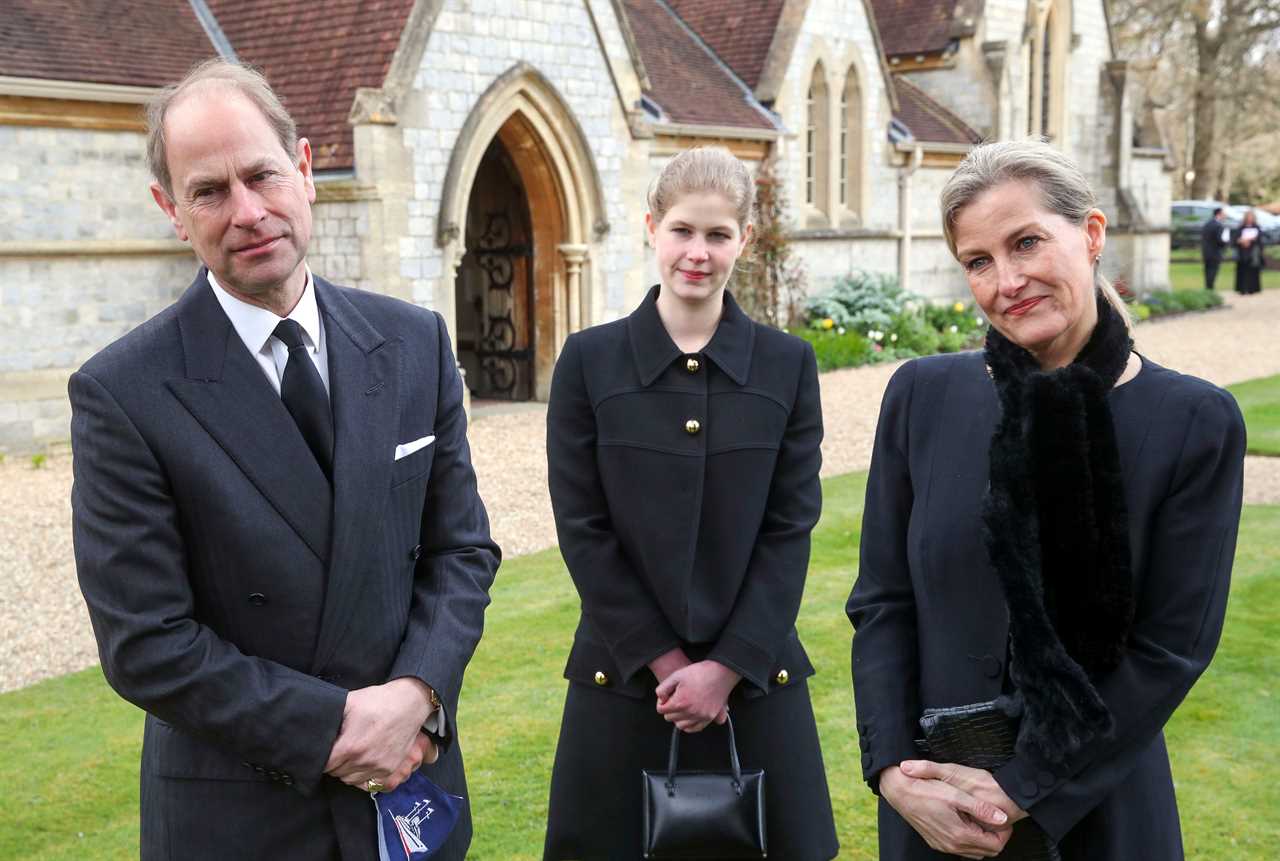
pixel 930 618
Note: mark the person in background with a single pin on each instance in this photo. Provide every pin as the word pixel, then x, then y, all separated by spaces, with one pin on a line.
pixel 1214 236
pixel 1050 526
pixel 683 455
pixel 1250 254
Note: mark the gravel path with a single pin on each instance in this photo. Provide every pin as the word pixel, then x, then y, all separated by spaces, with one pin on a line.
pixel 45 631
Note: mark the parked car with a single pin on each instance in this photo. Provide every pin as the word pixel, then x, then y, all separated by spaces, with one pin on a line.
pixel 1269 224
pixel 1188 216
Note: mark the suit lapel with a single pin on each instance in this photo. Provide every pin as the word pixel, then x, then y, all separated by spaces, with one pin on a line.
pixel 226 392
pixel 364 382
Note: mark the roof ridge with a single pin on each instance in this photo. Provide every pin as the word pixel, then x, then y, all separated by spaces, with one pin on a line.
pixel 936 109
pixel 774 120
pixel 213 30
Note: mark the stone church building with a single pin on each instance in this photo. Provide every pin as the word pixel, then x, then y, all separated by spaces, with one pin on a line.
pixel 489 158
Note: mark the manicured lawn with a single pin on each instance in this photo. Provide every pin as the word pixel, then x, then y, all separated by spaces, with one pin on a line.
pixel 1260 402
pixel 1187 273
pixel 69 747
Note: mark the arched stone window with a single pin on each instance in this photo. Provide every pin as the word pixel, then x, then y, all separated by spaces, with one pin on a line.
pixel 1047 68
pixel 1046 77
pixel 850 183
pixel 817 148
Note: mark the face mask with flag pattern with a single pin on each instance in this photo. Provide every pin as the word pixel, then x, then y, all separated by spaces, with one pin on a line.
pixel 415 819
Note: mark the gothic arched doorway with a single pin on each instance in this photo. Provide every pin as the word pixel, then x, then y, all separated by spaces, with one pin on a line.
pixel 520 152
pixel 495 291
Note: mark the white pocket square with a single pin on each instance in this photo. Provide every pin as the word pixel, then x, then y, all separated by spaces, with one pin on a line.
pixel 408 448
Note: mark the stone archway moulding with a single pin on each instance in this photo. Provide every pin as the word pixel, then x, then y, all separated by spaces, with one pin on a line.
pixel 523 89
pixel 525 111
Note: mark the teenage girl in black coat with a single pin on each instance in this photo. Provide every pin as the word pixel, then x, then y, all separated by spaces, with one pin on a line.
pixel 683 450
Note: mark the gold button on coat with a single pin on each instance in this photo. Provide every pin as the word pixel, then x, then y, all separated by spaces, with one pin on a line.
pixel 692 365
pixel 783 677
pixel 601 678
pixel 692 426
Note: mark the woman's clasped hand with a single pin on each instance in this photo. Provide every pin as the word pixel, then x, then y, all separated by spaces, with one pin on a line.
pixel 958 810
pixel 695 695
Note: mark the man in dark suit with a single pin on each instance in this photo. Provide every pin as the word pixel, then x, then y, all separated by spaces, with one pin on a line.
pixel 1211 245
pixel 277 529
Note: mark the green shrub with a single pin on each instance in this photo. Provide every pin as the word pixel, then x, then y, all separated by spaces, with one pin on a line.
pixel 1158 303
pixel 1141 311
pixel 1196 300
pixel 954 342
pixel 914 335
pixel 861 302
pixel 837 350
pixel 943 315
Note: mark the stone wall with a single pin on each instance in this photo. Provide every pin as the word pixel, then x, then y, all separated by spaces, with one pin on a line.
pixel 68 184
pixel 471 45
pixel 838 35
pixel 335 254
pixel 1090 132
pixel 85 256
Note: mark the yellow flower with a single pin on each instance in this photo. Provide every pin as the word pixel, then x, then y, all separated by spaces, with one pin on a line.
pixel 958 307
pixel 828 323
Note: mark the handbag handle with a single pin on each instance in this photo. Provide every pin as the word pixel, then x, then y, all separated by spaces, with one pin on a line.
pixel 675 755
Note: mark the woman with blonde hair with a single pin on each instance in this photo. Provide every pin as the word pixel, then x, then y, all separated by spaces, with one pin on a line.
pixel 1046 548
pixel 683 454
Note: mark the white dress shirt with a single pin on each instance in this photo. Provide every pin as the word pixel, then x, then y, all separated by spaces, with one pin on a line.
pixel 256 327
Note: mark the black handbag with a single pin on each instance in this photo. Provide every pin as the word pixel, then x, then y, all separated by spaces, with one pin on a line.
pixel 704 814
pixel 983 736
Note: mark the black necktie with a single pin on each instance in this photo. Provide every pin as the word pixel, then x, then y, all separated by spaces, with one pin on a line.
pixel 304 396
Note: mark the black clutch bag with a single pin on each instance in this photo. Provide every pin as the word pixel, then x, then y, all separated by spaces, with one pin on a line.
pixel 983 735
pixel 704 814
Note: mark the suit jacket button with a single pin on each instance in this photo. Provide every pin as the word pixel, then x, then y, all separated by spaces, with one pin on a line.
pixel 257 599
pixel 692 426
pixel 416 552
pixel 1029 789
pixel 991 666
pixel 601 678
pixel 783 677
pixel 692 365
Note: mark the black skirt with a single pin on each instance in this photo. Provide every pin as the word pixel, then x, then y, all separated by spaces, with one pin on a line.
pixel 606 740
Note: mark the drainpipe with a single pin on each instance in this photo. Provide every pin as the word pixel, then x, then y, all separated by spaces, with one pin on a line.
pixel 904 216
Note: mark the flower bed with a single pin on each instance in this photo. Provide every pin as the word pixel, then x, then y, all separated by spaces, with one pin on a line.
pixel 1163 303
pixel 866 318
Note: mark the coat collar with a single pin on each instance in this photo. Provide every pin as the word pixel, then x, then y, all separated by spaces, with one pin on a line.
pixel 364 377
pixel 225 390
pixel 205 326
pixel 653 350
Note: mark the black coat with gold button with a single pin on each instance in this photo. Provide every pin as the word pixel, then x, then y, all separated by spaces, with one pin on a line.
pixel 684 489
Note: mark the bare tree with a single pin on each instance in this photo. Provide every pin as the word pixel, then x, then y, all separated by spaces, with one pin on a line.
pixel 1212 60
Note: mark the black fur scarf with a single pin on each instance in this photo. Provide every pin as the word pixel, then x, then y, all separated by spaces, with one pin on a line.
pixel 1057 534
